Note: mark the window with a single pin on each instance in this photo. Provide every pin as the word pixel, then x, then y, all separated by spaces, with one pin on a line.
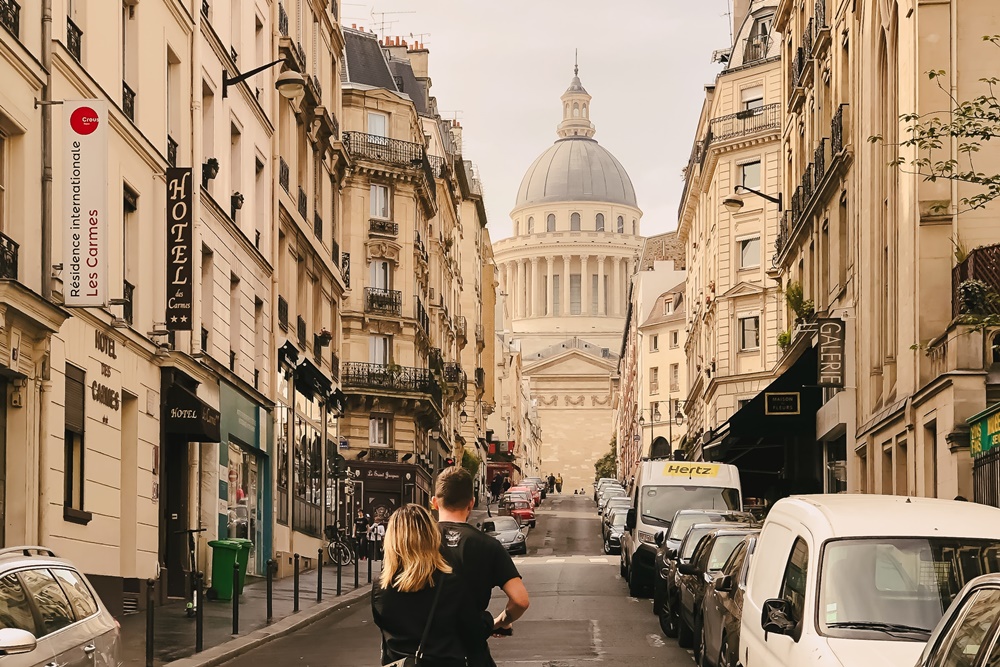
pixel 14 607
pixel 574 222
pixel 381 274
pixel 531 225
pixel 750 175
pixel 635 227
pixel 654 380
pixel 80 597
pixel 380 350
pixel 675 338
pixel 750 253
pixel 574 294
pixel 753 98
pixel 380 201
pixel 749 328
pixel 654 343
pixel 668 306
pixel 56 613
pixel 378 431
pixel 675 377
pixel 621 225
pixel 599 225
pixel 742 403
pixel 378 124
pixel 550 223
pixel 73 444
pixel 793 583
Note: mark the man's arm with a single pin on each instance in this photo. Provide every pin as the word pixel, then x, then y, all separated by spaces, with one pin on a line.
pixel 517 603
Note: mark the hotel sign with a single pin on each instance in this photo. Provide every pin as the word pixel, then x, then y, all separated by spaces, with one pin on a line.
pixel 830 372
pixel 85 186
pixel 180 260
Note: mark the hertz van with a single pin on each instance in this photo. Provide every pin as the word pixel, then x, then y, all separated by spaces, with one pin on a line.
pixel 661 488
pixel 844 580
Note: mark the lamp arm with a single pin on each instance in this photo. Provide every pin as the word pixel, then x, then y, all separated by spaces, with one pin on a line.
pixel 226 81
pixel 773 200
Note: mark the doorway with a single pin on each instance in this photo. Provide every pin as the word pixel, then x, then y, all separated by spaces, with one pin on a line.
pixel 174 485
pixel 244 503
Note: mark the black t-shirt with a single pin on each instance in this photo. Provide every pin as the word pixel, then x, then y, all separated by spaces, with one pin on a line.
pixel 360 527
pixel 480 560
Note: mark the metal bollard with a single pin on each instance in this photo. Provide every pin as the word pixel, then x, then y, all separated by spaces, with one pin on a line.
pixel 357 570
pixel 271 567
pixel 339 574
pixel 199 617
pixel 369 568
pixel 150 586
pixel 295 585
pixel 236 598
pixel 319 576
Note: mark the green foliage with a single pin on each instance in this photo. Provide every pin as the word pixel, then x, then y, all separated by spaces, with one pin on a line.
pixel 961 252
pixel 470 462
pixel 607 465
pixel 803 308
pixel 784 339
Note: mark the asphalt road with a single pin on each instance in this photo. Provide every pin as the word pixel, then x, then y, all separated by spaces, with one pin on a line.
pixel 580 610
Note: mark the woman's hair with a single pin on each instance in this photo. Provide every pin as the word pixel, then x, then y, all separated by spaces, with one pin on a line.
pixel 412 550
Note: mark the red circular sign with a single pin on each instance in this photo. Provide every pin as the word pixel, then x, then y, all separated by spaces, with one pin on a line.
pixel 84 120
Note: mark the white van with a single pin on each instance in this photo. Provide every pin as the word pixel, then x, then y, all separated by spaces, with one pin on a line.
pixel 859 579
pixel 660 489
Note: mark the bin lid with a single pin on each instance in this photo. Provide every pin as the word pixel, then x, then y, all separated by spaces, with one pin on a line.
pixel 225 544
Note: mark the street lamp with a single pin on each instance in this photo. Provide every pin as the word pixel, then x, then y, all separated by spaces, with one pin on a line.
pixel 734 202
pixel 290 84
pixel 654 416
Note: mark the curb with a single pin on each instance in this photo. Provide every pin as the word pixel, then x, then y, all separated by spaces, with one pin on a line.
pixel 286 626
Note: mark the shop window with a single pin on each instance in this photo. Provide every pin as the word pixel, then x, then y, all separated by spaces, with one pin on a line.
pixel 74 448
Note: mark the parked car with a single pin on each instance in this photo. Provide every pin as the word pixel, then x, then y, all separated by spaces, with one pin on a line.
pixel 968 635
pixel 617 502
pixel 670 610
pixel 51 615
pixel 519 508
pixel 608 495
pixel 602 484
pixel 533 493
pixel 612 527
pixel 670 541
pixel 508 532
pixel 539 483
pixel 860 579
pixel 722 608
pixel 518 495
pixel 694 577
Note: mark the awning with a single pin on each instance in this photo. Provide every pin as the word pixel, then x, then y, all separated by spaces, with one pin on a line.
pixel 310 381
pixel 188 416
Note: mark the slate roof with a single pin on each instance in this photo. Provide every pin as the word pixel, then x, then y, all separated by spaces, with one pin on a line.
pixel 365 62
pixel 407 84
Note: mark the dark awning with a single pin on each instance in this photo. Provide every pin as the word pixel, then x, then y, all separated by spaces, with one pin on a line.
pixel 188 416
pixel 310 381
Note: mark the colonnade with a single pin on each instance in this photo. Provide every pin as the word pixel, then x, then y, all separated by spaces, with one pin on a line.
pixel 531 289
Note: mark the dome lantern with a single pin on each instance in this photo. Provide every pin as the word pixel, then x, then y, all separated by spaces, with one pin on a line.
pixel 576 110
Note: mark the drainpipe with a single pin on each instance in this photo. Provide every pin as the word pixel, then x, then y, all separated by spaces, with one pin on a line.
pixel 195 452
pixel 42 369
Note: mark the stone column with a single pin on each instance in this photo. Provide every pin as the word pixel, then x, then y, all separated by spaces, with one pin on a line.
pixel 617 290
pixel 521 269
pixel 550 265
pixel 565 286
pixel 601 296
pixel 535 291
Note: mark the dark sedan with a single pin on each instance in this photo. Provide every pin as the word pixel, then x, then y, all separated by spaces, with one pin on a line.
pixel 612 528
pixel 508 532
pixel 666 555
pixel 695 576
pixel 722 609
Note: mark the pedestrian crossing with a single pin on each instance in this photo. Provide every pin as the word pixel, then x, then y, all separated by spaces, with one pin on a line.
pixel 565 560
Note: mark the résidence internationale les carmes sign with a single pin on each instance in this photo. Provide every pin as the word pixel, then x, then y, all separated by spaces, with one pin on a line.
pixel 85 263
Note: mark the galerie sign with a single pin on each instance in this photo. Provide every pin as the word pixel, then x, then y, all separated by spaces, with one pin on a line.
pixel 831 353
pixel 85 160
pixel 180 261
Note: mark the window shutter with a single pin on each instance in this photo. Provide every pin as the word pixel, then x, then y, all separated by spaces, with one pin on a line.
pixel 75 379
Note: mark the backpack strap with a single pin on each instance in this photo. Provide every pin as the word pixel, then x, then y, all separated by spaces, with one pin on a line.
pixel 438 585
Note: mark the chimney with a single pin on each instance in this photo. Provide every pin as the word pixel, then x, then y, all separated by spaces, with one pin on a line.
pixel 740 10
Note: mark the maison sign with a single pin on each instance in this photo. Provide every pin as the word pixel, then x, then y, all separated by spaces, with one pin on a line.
pixel 180 261
pixel 782 403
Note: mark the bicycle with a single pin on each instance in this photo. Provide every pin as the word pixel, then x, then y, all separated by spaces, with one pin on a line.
pixel 338 547
pixel 191 607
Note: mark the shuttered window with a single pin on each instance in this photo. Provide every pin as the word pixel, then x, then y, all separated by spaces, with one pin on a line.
pixel 74 447
pixel 75 379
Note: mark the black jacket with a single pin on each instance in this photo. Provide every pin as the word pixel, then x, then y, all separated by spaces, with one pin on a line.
pixel 457 627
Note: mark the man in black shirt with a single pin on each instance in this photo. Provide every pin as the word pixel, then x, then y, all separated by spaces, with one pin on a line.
pixel 480 560
pixel 360 535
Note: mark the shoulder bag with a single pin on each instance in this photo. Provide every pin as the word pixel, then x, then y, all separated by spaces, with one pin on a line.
pixel 417 659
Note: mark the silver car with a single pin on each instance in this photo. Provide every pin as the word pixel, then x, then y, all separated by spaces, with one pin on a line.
pixel 508 532
pixel 51 615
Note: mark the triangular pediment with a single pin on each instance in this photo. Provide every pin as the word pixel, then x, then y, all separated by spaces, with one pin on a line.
pixel 743 289
pixel 571 362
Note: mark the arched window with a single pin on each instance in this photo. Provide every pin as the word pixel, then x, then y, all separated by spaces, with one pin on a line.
pixel 621 225
pixel 517 227
pixel 635 227
pixel 585 111
pixel 600 222
pixel 531 225
pixel 576 110
pixel 566 110
pixel 550 223
pixel 574 222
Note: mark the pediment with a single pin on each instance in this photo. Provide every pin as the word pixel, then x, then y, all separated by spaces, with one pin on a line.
pixel 743 289
pixel 570 362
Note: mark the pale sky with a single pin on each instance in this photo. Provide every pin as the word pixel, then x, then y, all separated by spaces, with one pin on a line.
pixel 502 67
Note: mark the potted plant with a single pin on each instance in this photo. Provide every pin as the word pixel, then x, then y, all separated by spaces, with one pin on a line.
pixel 975 297
pixel 784 340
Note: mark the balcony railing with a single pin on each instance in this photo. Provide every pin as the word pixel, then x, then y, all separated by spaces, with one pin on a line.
pixel 335 252
pixel 418 245
pixel 434 358
pixel 480 334
pixel 303 202
pixel 807 41
pixel 282 313
pixel 423 321
pixel 982 264
pixel 359 375
pixel 383 301
pixel 820 15
pixel 453 374
pixel 345 268
pixel 755 48
pixel 283 174
pixel 10 16
pixel 128 101
pixel 819 162
pixel 8 257
pixel 798 66
pixel 128 293
pixel 300 331
pixel 171 151
pixel 334 366
pixel 461 327
pixel 282 21
pixel 318 225
pixel 481 378
pixel 439 166
pixel 302 51
pixel 205 8
pixel 837 131
pixel 747 122
pixel 384 227
pixel 384 149
pixel 74 39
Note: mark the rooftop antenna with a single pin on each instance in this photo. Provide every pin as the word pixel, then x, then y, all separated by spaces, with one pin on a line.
pixel 729 15
pixel 420 36
pixel 382 22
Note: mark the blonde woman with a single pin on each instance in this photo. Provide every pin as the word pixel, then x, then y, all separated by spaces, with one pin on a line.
pixel 414 573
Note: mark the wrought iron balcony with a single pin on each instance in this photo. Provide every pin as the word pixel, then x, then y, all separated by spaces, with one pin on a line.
pixel 10 16
pixel 300 331
pixel 282 20
pixel 480 334
pixel 8 257
pixel 756 48
pixel 303 202
pixel 383 227
pixel 820 15
pixel 390 378
pixel 171 151
pixel 318 225
pixel 128 101
pixel 819 162
pixel 335 252
pixel 745 123
pixel 453 373
pixel 383 301
pixel 423 321
pixel 807 41
pixel 384 149
pixel 205 8
pixel 128 292
pixel 462 327
pixel 982 264
pixel 334 366
pixel 282 313
pixel 481 378
pixel 302 51
pixel 345 268
pixel 837 131
pixel 74 39
pixel 798 65
pixel 283 175
pixel 439 166
pixel 434 358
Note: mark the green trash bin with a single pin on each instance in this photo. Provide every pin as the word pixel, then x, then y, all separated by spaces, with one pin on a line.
pixel 243 558
pixel 225 554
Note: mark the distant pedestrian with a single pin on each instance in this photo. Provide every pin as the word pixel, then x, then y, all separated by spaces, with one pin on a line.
pixel 552 482
pixel 376 535
pixel 506 484
pixel 559 482
pixel 496 488
pixel 361 535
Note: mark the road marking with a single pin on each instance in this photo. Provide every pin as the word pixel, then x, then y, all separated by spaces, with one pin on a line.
pixel 598 560
pixel 539 559
pixel 556 560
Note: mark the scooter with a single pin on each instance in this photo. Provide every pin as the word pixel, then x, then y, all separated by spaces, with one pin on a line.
pixel 191 608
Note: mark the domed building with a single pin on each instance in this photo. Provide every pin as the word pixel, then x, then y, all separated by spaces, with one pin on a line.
pixel 564 277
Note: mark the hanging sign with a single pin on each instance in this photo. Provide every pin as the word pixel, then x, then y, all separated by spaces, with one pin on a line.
pixel 180 260
pixel 830 372
pixel 85 208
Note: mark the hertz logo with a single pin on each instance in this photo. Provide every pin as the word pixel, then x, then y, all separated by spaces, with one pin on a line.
pixel 691 470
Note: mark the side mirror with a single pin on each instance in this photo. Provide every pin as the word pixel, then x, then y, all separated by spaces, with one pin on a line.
pixel 723 584
pixel 776 617
pixel 660 536
pixel 688 568
pixel 630 520
pixel 14 641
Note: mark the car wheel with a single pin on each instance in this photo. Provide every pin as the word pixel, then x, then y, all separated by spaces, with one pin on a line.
pixel 668 622
pixel 621 567
pixel 685 636
pixel 607 547
pixel 635 587
pixel 657 595
pixel 726 656
pixel 699 643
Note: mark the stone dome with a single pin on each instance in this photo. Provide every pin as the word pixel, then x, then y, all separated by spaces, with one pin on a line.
pixel 576 169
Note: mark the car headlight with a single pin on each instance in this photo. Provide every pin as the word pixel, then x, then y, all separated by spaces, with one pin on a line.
pixel 519 537
pixel 647 538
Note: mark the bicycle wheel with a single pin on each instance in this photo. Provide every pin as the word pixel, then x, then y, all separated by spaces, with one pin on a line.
pixel 344 555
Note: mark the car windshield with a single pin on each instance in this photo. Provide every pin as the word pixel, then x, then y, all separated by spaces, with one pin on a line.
pixel 691 540
pixel 519 505
pixel 896 588
pixel 660 503
pixel 618 519
pixel 684 521
pixel 722 550
pixel 500 524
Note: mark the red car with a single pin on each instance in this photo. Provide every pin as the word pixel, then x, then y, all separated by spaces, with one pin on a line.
pixel 519 509
pixel 532 491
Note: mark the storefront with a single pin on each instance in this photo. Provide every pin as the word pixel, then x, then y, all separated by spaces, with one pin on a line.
pixel 245 499
pixel 381 488
pixel 984 445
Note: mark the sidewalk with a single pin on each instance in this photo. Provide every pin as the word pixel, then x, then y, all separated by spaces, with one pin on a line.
pixel 174 636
